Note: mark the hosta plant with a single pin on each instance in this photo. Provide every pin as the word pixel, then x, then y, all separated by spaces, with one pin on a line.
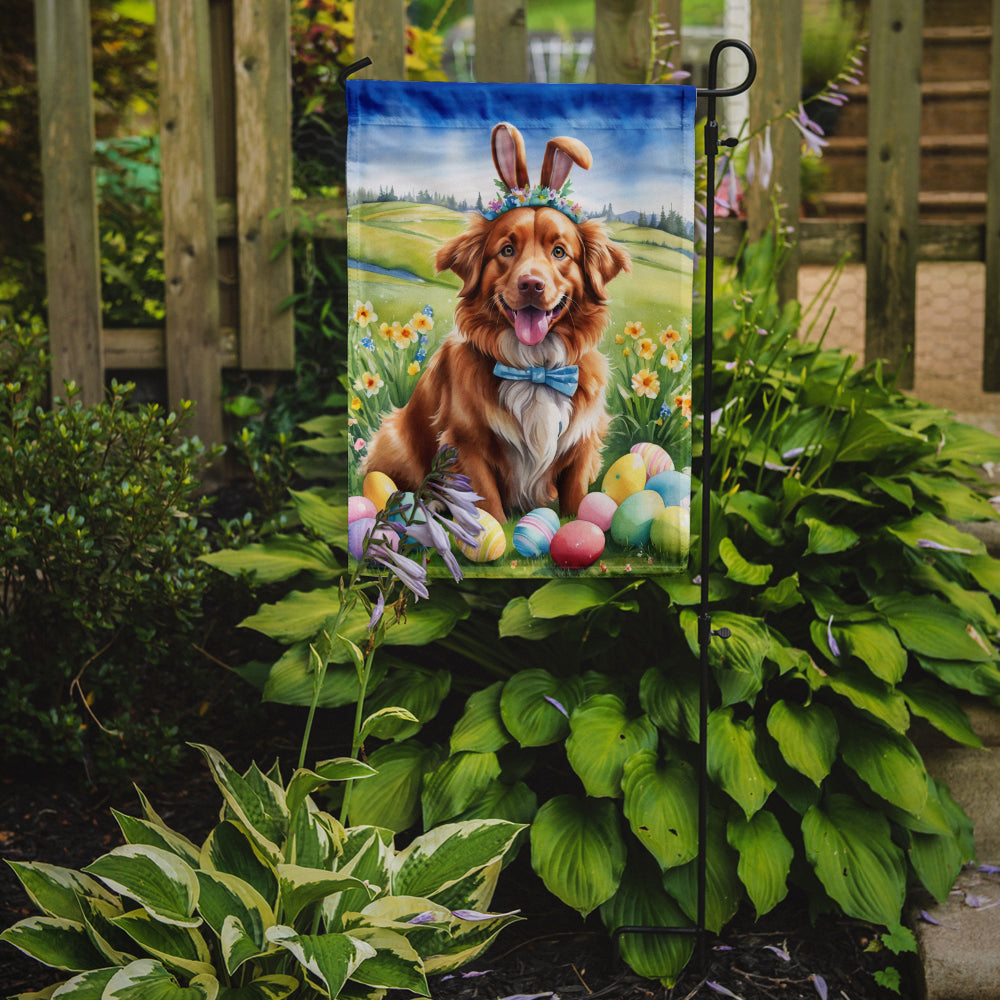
pixel 279 900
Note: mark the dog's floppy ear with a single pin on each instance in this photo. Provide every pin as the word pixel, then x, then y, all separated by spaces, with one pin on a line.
pixel 560 155
pixel 602 258
pixel 509 156
pixel 463 254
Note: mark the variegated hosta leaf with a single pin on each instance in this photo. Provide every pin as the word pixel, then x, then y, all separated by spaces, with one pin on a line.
pixel 578 851
pixel 177 947
pixel 661 805
pixel 807 736
pixel 304 782
pixel 230 849
pixel 225 897
pixel 602 737
pixel 418 691
pixel 395 964
pixel 535 706
pixel 275 987
pixel 367 853
pixel 456 784
pixel 141 831
pixel 481 727
pixel 256 801
pixel 850 847
pixel 732 760
pixel 888 763
pixel 86 986
pixel 476 890
pixel 158 880
pixel 441 857
pixel 147 979
pixel 56 891
pixel 391 799
pixel 328 959
pixel 642 902
pixel 301 887
pixel 765 858
pixel 99 915
pixel 467 940
pixel 54 941
pixel 315 838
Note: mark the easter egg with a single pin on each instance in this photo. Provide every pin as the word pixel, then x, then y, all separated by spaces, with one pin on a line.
pixel 491 541
pixel 673 486
pixel 533 533
pixel 403 512
pixel 378 487
pixel 598 508
pixel 671 533
pixel 634 517
pixel 358 507
pixel 654 458
pixel 626 476
pixel 576 545
pixel 359 530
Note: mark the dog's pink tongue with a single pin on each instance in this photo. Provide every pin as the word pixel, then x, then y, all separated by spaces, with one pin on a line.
pixel 531 325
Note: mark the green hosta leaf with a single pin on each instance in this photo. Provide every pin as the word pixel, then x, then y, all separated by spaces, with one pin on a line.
pixel 279 558
pixel 671 700
pixel 516 803
pixel 641 901
pixel 888 763
pixel 957 501
pixel 941 709
pixel 976 678
pixel 758 511
pixel 481 728
pixel 578 851
pixel 661 799
pixel 937 858
pixel 417 690
pixel 783 595
pixel 985 569
pixel 141 831
pixel 926 528
pixel 147 979
pixel 517 620
pixel 850 848
pixel 54 941
pixel 535 706
pixel 291 680
pixel 931 628
pixel 732 760
pixel 866 692
pixel 301 887
pixel 330 959
pixel 386 723
pixel 56 891
pixel 275 987
pixel 443 856
pixel 738 661
pixel 395 964
pixel 765 858
pixel 560 598
pixel 602 738
pixel 160 882
pixel 738 569
pixel 965 443
pixel 180 948
pixel 828 539
pixel 325 519
pixel 723 889
pixel 456 784
pixel 876 646
pixel 391 798
pixel 894 489
pixel 870 435
pixel 226 898
pixel 807 736
pixel 975 605
pixel 304 782
pixel 260 809
pixel 230 849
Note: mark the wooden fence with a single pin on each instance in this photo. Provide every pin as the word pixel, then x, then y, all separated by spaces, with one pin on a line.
pixel 226 161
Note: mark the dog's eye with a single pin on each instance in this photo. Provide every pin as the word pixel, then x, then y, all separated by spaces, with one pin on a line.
pixel 507 251
pixel 558 252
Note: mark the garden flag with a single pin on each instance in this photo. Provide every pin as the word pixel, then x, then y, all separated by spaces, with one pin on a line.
pixel 520 288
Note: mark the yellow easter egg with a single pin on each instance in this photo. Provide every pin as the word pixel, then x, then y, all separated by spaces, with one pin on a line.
pixel 491 539
pixel 626 476
pixel 378 487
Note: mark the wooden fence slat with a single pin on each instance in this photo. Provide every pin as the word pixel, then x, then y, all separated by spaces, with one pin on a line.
pixel 72 255
pixel 892 214
pixel 262 61
pixel 380 34
pixel 776 36
pixel 190 253
pixel 991 330
pixel 622 39
pixel 501 37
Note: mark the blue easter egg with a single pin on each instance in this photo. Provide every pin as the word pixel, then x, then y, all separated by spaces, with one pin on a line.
pixel 533 533
pixel 673 486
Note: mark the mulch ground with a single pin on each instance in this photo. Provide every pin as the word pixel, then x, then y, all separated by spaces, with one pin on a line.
pixel 551 953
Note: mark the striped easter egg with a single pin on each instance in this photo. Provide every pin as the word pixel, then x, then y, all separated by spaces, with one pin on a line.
pixel 492 542
pixel 533 533
pixel 654 458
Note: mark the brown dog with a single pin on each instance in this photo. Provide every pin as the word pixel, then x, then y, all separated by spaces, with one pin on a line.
pixel 532 305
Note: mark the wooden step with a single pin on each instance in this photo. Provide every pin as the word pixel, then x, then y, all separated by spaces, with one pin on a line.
pixel 958 206
pixel 956 53
pixel 945 12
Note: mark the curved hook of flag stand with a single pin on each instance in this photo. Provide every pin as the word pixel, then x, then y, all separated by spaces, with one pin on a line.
pixel 705 631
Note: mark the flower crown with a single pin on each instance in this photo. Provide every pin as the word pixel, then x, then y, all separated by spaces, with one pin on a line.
pixel 536 197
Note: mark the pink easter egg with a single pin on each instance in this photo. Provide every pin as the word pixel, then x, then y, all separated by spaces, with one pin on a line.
pixel 597 508
pixel 360 529
pixel 654 458
pixel 577 545
pixel 358 507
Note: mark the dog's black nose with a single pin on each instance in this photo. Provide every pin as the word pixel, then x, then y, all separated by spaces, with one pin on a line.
pixel 530 284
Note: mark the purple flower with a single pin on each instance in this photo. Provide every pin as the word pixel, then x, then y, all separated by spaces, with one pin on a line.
pixel 427 917
pixel 377 612
pixel 820 983
pixel 558 705
pixel 761 163
pixel 475 915
pixel 927 543
pixel 834 648
pixel 409 573
pixel 811 132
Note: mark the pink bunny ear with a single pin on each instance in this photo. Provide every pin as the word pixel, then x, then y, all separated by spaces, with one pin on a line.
pixel 560 155
pixel 509 156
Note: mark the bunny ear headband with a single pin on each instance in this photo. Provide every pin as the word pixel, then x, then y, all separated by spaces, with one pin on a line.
pixel 554 190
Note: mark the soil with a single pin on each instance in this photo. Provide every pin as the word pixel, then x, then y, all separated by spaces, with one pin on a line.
pixel 551 953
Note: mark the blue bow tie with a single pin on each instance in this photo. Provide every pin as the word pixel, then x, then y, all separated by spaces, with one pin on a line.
pixel 563 380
